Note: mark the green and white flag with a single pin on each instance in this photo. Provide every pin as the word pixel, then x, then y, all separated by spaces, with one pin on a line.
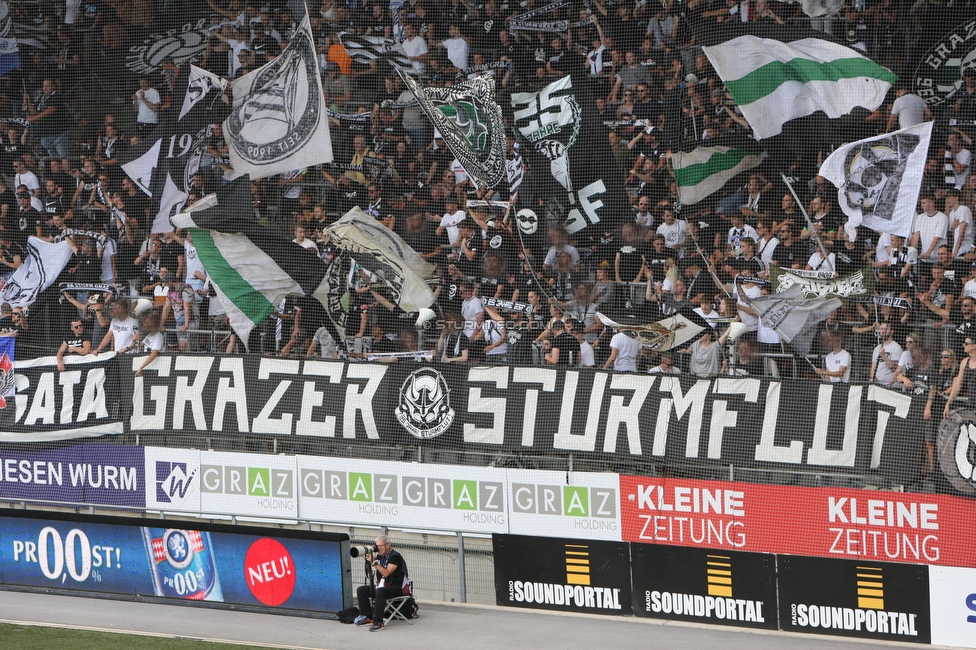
pixel 706 170
pixel 251 268
pixel 774 82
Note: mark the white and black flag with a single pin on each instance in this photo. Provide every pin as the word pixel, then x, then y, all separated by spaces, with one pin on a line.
pixel 41 267
pixel 165 164
pixel 366 49
pixel 470 121
pixel 879 179
pixel 561 132
pixel 278 122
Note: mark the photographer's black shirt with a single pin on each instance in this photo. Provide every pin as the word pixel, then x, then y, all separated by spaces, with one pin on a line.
pixel 395 579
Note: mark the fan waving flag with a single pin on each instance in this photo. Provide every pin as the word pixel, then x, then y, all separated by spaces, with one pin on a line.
pixel 9 52
pixel 878 180
pixel 774 82
pixel 41 267
pixel 278 122
pixel 165 164
pixel 366 49
pixel 251 268
pixel 706 170
pixel 470 122
pixel 563 137
pixel 388 258
pixel 794 316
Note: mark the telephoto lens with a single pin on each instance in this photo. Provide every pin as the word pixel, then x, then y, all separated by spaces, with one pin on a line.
pixel 361 551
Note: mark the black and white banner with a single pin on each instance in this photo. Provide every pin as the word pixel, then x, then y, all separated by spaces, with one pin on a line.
pixel 165 164
pixel 562 136
pixel 938 77
pixel 742 421
pixel 83 401
pixel 535 411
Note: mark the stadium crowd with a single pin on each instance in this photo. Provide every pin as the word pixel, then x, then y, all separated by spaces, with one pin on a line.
pixel 656 93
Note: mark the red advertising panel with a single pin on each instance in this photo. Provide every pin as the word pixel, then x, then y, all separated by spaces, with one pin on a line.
pixel 825 522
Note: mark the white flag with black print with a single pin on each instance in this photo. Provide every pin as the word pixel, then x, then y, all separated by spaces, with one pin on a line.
pixel 278 121
pixel 41 266
pixel 366 49
pixel 878 180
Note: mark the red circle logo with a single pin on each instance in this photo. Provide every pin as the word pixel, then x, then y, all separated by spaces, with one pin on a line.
pixel 269 571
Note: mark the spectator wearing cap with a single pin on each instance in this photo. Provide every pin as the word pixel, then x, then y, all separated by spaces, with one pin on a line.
pixel 264 45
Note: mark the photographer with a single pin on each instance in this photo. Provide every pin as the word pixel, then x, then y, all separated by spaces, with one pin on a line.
pixel 389 568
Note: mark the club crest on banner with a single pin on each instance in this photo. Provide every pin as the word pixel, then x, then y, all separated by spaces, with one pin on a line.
pixel 470 122
pixel 281 112
pixel 873 174
pixel 424 407
pixel 185 44
pixel 939 73
pixel 957 450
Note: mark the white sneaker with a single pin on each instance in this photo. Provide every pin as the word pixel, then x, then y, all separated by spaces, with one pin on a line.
pixel 361 620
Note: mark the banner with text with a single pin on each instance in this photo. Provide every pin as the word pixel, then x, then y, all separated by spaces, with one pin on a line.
pixel 85 474
pixel 823 522
pixel 717 587
pixel 569 575
pixel 83 401
pixel 538 411
pixel 178 561
pixel 870 600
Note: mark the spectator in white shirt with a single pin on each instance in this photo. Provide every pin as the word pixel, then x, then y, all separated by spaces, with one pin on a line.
pixel 960 223
pixel 146 103
pixel 885 358
pixel 623 353
pixel 909 109
pixel 837 364
pixel 415 48
pixel 931 230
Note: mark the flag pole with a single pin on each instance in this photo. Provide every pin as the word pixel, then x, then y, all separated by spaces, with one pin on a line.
pixel 708 268
pixel 799 203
